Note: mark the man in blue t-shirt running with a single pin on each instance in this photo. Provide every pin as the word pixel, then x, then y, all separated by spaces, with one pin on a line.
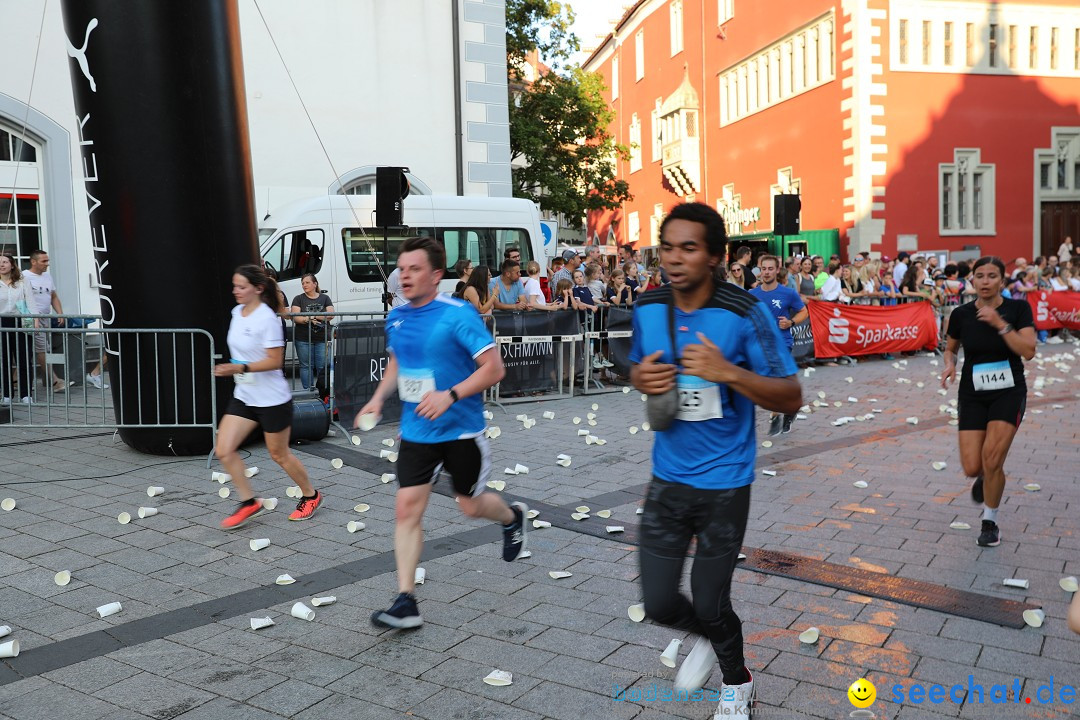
pixel 719 348
pixel 442 359
pixel 787 307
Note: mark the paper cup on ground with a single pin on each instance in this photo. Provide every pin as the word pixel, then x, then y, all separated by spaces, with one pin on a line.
pixel 109 609
pixel 1034 618
pixel 259 543
pixel 284 579
pixel 324 600
pixel 7 504
pixel 419 576
pixel 770 473
pixel 355 526
pixel 362 507
pixel 939 466
pixel 5 630
pixel 565 462
pixel 582 509
pixel 154 490
pixel 603 514
pixel 809 636
pixel 123 518
pixel 355 439
pixel 767 444
pixel 302 611
pixel 251 472
pixel 959 525
pixel 1033 487
pixel 9 649
pixel 1016 583
pixel 387 477
pixel 494 431
pixel 270 503
pixel 580 516
pixel 559 574
pixel 861 484
pixel 337 463
pixel 220 477
pixel 499 678
pixel 531 514
pixel 521 469
pixel 1068 584
pixel 367 422
pixel 548 415
pixel 612 529
pixel 388 442
pixel 670 656
pixel 539 524
pixel 224 493
pixel 498 485
pixel 62 578
pixel 145 512
pixel 636 612
pixel 260 623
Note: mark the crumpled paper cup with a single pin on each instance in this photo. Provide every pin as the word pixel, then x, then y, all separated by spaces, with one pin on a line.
pixel 499 678
pixel 260 623
pixel 109 609
pixel 302 611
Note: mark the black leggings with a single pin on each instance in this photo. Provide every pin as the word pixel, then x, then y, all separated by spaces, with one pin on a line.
pixel 675 513
pixel 15 352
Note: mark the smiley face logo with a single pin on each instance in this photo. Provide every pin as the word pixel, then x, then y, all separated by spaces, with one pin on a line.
pixel 862 693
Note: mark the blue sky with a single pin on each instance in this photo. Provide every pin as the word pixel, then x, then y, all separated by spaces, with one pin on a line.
pixel 595 17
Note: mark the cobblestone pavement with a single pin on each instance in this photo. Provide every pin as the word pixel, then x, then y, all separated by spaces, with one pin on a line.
pixel 182 646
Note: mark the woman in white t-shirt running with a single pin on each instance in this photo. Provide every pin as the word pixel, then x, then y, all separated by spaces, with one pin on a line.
pixel 261 396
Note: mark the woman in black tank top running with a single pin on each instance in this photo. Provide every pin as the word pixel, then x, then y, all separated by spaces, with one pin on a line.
pixel 997 334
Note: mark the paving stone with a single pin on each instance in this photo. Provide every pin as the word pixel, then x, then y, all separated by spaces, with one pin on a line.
pixel 289 698
pixel 307 665
pixel 92 675
pixel 229 678
pixel 152 695
pixel 388 689
pixel 224 709
pixel 450 703
pixel 565 703
pixel 337 707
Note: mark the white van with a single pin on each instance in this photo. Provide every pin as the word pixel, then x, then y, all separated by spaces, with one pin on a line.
pixel 334 236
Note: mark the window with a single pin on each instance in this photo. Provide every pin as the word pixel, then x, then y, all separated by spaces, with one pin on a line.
pixel 1033 48
pixel 1044 176
pixel 676 15
pixel 295 253
pixel 364 250
pixel 993 49
pixel 966 192
pixel 615 78
pixel 903 41
pixel 657 136
pixel 926 39
pixel 1061 174
pixel 1076 50
pixel 1013 32
pixel 1053 48
pixel 635 143
pixel 364 188
pixel 639 55
pixel 1076 176
pixel 20 226
pixel 726 10
pixel 635 228
pixel 970 59
pixel 948 43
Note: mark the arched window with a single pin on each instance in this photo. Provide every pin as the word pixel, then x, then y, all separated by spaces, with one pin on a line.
pixel 20 195
pixel 361 181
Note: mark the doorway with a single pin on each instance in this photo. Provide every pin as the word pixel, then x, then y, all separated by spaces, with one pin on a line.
pixel 1059 220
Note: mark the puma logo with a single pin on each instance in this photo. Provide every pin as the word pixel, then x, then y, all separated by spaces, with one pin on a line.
pixel 79 54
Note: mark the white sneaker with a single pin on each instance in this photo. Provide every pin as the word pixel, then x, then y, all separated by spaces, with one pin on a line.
pixel 96 381
pixel 5 401
pixel 597 365
pixel 697 667
pixel 1054 340
pixel 607 363
pixel 27 400
pixel 735 700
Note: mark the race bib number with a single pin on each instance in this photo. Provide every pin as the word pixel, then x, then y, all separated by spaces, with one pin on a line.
pixel 993 376
pixel 414 384
pixel 247 378
pixel 698 399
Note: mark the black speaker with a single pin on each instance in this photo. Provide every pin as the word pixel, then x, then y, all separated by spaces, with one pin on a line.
pixel 391 189
pixel 786 214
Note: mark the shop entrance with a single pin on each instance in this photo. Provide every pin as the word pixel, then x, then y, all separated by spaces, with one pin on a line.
pixel 1059 220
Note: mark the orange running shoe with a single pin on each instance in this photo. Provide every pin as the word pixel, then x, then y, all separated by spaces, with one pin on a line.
pixel 242 514
pixel 306 507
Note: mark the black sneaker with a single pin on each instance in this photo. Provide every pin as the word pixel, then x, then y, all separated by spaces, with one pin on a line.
pixel 514 539
pixel 977 490
pixel 788 419
pixel 775 425
pixel 990 535
pixel 402 614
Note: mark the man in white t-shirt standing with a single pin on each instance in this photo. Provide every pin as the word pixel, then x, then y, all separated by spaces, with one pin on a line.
pixel 900 269
pixel 43 299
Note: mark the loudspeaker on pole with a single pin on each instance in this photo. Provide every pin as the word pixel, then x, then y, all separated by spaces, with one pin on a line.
pixel 391 189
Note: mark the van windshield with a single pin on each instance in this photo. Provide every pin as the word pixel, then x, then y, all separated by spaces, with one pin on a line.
pixel 366 250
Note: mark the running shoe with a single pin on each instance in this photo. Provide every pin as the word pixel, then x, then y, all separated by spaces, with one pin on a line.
pixel 514 540
pixel 990 535
pixel 788 419
pixel 697 667
pixel 403 614
pixel 597 365
pixel 96 381
pixel 27 400
pixel 242 514
pixel 977 490
pixel 606 363
pixel 306 507
pixel 735 700
pixel 776 425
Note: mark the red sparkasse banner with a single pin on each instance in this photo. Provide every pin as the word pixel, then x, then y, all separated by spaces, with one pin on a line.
pixel 1054 310
pixel 871 329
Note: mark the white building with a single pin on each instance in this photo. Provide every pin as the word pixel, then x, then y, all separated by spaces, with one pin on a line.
pixel 418 83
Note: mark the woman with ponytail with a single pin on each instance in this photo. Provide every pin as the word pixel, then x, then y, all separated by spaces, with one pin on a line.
pixel 261 396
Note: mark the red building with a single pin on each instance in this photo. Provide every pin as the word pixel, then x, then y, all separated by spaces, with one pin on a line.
pixel 929 125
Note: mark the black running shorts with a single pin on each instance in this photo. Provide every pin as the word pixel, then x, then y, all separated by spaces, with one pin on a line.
pixel 978 409
pixel 272 419
pixel 467 461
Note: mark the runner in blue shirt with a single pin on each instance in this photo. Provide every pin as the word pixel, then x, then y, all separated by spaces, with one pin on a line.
pixel 788 308
pixel 442 359
pixel 728 356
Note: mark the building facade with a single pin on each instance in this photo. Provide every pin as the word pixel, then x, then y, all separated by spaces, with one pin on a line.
pixel 929 125
pixel 416 83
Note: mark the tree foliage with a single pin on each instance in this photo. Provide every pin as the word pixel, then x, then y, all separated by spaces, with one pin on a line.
pixel 558 123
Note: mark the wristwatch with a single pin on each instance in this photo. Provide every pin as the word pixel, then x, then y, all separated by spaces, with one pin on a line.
pixel 453 394
pixel 1005 330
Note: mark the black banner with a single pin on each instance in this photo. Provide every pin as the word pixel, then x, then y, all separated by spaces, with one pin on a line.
pixel 360 359
pixel 529 359
pixel 803 349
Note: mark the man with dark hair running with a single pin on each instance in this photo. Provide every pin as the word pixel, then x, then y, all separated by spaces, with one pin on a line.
pixel 442 359
pixel 720 349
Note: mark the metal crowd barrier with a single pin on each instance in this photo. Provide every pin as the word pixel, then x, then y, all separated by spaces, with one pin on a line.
pixel 148 378
pixel 563 348
pixel 613 372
